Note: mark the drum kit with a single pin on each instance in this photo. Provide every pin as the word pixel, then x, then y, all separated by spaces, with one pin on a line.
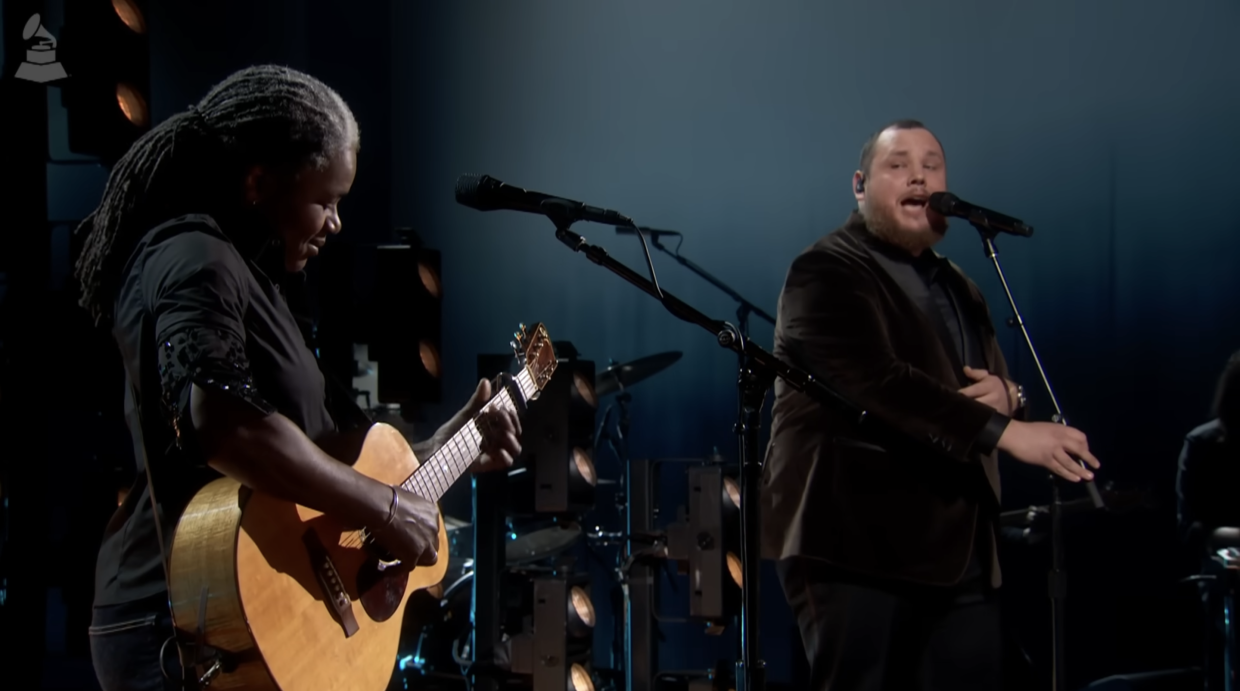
pixel 436 638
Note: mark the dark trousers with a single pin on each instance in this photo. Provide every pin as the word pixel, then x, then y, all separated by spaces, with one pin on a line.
pixel 127 643
pixel 865 635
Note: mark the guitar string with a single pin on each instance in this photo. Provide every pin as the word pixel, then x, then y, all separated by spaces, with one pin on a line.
pixel 433 478
pixel 430 480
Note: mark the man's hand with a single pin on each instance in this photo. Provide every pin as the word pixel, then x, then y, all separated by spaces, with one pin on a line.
pixel 1050 445
pixel 991 390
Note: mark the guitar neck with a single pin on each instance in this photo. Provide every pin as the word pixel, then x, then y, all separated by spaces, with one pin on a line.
pixel 438 473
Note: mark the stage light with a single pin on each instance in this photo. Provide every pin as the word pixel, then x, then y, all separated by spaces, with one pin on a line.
pixel 405 318
pixel 731 528
pixel 386 298
pixel 536 618
pixel 430 358
pixel 107 55
pixel 585 389
pixel 580 678
pixel 581 617
pixel 555 642
pixel 556 472
pixel 430 279
pixel 130 15
pixel 707 539
pixel 132 105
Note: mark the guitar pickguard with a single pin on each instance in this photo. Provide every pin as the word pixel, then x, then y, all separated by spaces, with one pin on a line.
pixel 381 591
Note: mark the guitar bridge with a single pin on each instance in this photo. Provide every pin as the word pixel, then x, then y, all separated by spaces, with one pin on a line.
pixel 334 594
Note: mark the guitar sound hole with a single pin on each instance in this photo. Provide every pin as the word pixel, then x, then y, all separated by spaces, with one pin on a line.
pixel 381 591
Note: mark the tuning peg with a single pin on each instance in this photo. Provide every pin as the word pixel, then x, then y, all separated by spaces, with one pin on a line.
pixel 522 325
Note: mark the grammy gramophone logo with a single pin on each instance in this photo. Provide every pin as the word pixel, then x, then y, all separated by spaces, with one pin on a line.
pixel 41 64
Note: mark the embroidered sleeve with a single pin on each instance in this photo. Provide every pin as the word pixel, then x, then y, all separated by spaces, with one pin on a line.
pixel 195 285
pixel 210 358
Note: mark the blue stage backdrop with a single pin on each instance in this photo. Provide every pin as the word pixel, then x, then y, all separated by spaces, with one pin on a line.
pixel 1108 126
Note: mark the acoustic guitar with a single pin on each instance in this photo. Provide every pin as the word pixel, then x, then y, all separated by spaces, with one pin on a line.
pixel 275 596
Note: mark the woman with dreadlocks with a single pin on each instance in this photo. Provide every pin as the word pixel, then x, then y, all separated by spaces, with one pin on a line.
pixel 194 259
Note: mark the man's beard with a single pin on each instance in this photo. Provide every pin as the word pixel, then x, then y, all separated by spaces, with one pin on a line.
pixel 883 225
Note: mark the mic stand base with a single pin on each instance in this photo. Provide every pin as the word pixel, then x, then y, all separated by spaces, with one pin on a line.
pixel 1057 578
pixel 1057 590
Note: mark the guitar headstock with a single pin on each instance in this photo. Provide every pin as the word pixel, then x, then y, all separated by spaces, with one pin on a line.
pixel 536 354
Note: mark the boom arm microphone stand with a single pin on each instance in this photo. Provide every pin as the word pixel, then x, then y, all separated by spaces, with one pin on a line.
pixel 744 307
pixel 1057 583
pixel 753 386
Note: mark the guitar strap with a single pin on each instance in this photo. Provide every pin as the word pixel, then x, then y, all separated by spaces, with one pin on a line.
pixel 190 673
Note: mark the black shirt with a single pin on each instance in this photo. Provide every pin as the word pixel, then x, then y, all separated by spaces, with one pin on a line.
pixel 195 307
pixel 929 281
pixel 1207 477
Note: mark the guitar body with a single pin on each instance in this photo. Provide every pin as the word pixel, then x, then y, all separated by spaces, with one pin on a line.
pixel 271 571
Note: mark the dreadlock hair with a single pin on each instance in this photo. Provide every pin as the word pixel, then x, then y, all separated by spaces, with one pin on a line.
pixel 195 162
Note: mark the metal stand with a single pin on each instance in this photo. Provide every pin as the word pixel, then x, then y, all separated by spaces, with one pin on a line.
pixel 638 578
pixel 490 491
pixel 745 307
pixel 1057 583
pixel 752 384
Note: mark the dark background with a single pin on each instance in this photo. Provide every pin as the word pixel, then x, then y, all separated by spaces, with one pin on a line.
pixel 1109 126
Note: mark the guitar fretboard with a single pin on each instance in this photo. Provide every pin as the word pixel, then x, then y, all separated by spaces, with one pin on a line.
pixel 446 465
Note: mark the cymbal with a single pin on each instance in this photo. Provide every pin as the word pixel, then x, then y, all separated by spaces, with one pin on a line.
pixel 621 376
pixel 541 544
pixel 452 523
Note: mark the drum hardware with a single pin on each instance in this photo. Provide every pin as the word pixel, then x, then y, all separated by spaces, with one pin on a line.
pixel 621 376
pixel 1029 525
pixel 533 542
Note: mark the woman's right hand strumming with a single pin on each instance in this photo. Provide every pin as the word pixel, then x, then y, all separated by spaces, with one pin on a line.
pixel 410 529
pixel 271 454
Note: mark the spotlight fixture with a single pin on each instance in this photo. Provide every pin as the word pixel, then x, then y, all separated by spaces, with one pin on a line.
pixel 406 319
pixel 554 646
pixel 107 54
pixel 556 472
pixel 707 538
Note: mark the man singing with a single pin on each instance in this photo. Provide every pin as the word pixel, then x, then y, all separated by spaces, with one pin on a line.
pixel 887 552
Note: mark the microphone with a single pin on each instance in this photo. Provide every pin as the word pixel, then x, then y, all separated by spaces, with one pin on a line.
pixel 652 233
pixel 485 193
pixel 949 204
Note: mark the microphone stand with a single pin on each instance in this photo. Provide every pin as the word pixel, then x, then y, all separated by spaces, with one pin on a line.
pixel 756 373
pixel 745 307
pixel 752 387
pixel 1057 582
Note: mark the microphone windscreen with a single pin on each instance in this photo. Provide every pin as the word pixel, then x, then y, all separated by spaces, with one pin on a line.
pixel 943 202
pixel 468 191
